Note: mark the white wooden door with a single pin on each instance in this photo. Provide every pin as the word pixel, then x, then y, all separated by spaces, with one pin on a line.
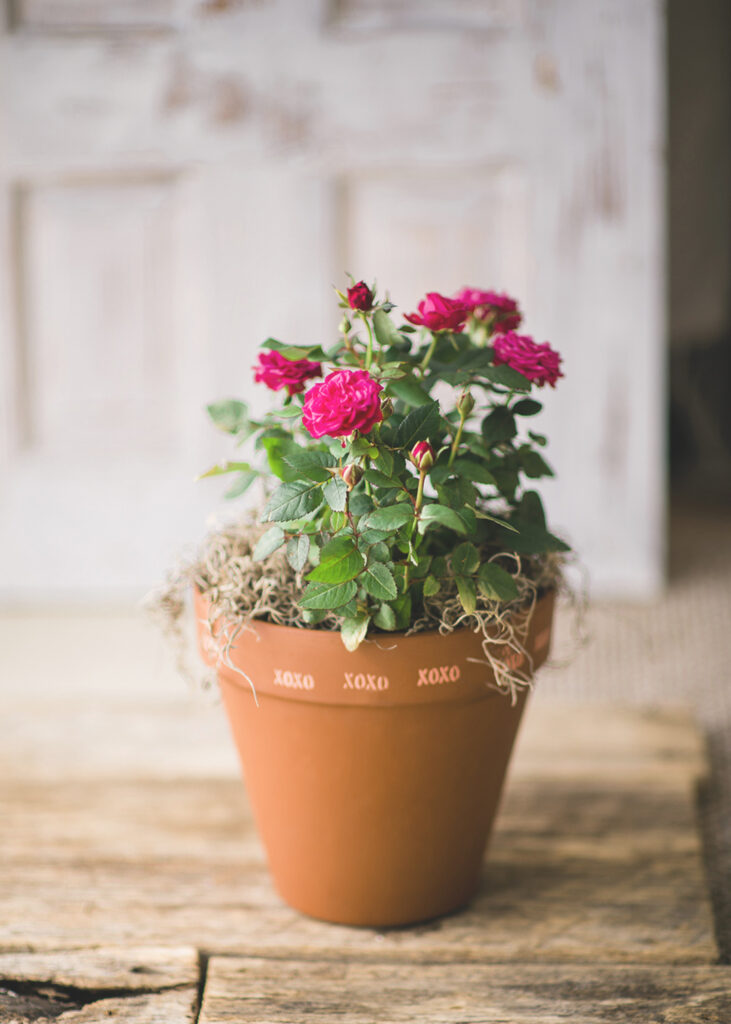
pixel 181 178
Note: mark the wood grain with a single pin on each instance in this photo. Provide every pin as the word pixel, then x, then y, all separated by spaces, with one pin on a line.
pixel 140 985
pixel 275 992
pixel 576 865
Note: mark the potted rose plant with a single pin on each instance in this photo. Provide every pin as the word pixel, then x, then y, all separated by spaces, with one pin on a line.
pixel 376 631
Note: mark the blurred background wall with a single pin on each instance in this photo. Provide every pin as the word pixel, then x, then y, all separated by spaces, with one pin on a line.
pixel 181 178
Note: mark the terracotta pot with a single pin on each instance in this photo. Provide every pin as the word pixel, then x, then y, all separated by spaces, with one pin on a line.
pixel 374 776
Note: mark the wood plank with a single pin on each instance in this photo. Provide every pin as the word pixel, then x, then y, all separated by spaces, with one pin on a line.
pixel 578 870
pixel 275 992
pixel 136 985
pixel 45 738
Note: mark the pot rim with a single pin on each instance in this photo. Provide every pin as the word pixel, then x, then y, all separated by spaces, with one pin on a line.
pixel 312 666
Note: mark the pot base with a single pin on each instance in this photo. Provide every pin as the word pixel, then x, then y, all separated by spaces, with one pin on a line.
pixel 374 817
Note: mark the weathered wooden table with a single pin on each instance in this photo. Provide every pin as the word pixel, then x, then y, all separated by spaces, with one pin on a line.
pixel 134 889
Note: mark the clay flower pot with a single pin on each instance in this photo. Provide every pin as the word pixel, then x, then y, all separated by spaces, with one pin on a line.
pixel 374 776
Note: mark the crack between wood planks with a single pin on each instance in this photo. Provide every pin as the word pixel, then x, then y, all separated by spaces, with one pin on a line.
pixel 203 959
pixel 75 997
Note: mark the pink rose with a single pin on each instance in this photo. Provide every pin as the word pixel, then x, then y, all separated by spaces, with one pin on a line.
pixel 347 400
pixel 439 313
pixel 485 305
pixel 539 363
pixel 422 455
pixel 360 297
pixel 277 372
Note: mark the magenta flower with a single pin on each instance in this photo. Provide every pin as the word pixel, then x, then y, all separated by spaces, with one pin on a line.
pixel 345 401
pixel 539 363
pixel 360 297
pixel 484 305
pixel 439 313
pixel 277 372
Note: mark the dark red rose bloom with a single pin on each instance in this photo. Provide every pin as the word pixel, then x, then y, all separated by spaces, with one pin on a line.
pixel 486 304
pixel 277 372
pixel 439 313
pixel 539 363
pixel 360 297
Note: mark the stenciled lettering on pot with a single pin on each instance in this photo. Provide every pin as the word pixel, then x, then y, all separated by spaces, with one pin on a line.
pixel 293 680
pixel 438 674
pixel 364 681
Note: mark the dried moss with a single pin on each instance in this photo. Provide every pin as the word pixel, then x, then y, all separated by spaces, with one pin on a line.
pixel 240 590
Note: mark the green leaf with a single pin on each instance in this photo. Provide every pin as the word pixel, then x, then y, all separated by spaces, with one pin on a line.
pixel 394 370
pixel 442 516
pixel 385 618
pixel 242 484
pixel 402 608
pixel 338 520
pixel 375 476
pixel 298 550
pixel 498 426
pixel 481 514
pixel 377 552
pixel 229 415
pixel 527 407
pixel 531 509
pixel 362 446
pixel 431 586
pixel 473 470
pixel 292 501
pixel 385 329
pixel 225 467
pixel 384 460
pixel 410 391
pixel 339 561
pixel 353 631
pixel 534 465
pixel 369 537
pixel 507 377
pixel 531 539
pixel 277 446
pixel 360 503
pixel 467 593
pixel 268 543
pixel 328 595
pixel 312 617
pixel 457 493
pixel 420 424
pixel 335 493
pixel 310 464
pixel 495 583
pixel 465 559
pixel 287 412
pixel 294 352
pixel 390 517
pixel 378 581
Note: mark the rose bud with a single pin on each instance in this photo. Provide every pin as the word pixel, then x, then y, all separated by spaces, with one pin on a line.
pixel 387 408
pixel 360 297
pixel 351 474
pixel 465 404
pixel 344 325
pixel 422 456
